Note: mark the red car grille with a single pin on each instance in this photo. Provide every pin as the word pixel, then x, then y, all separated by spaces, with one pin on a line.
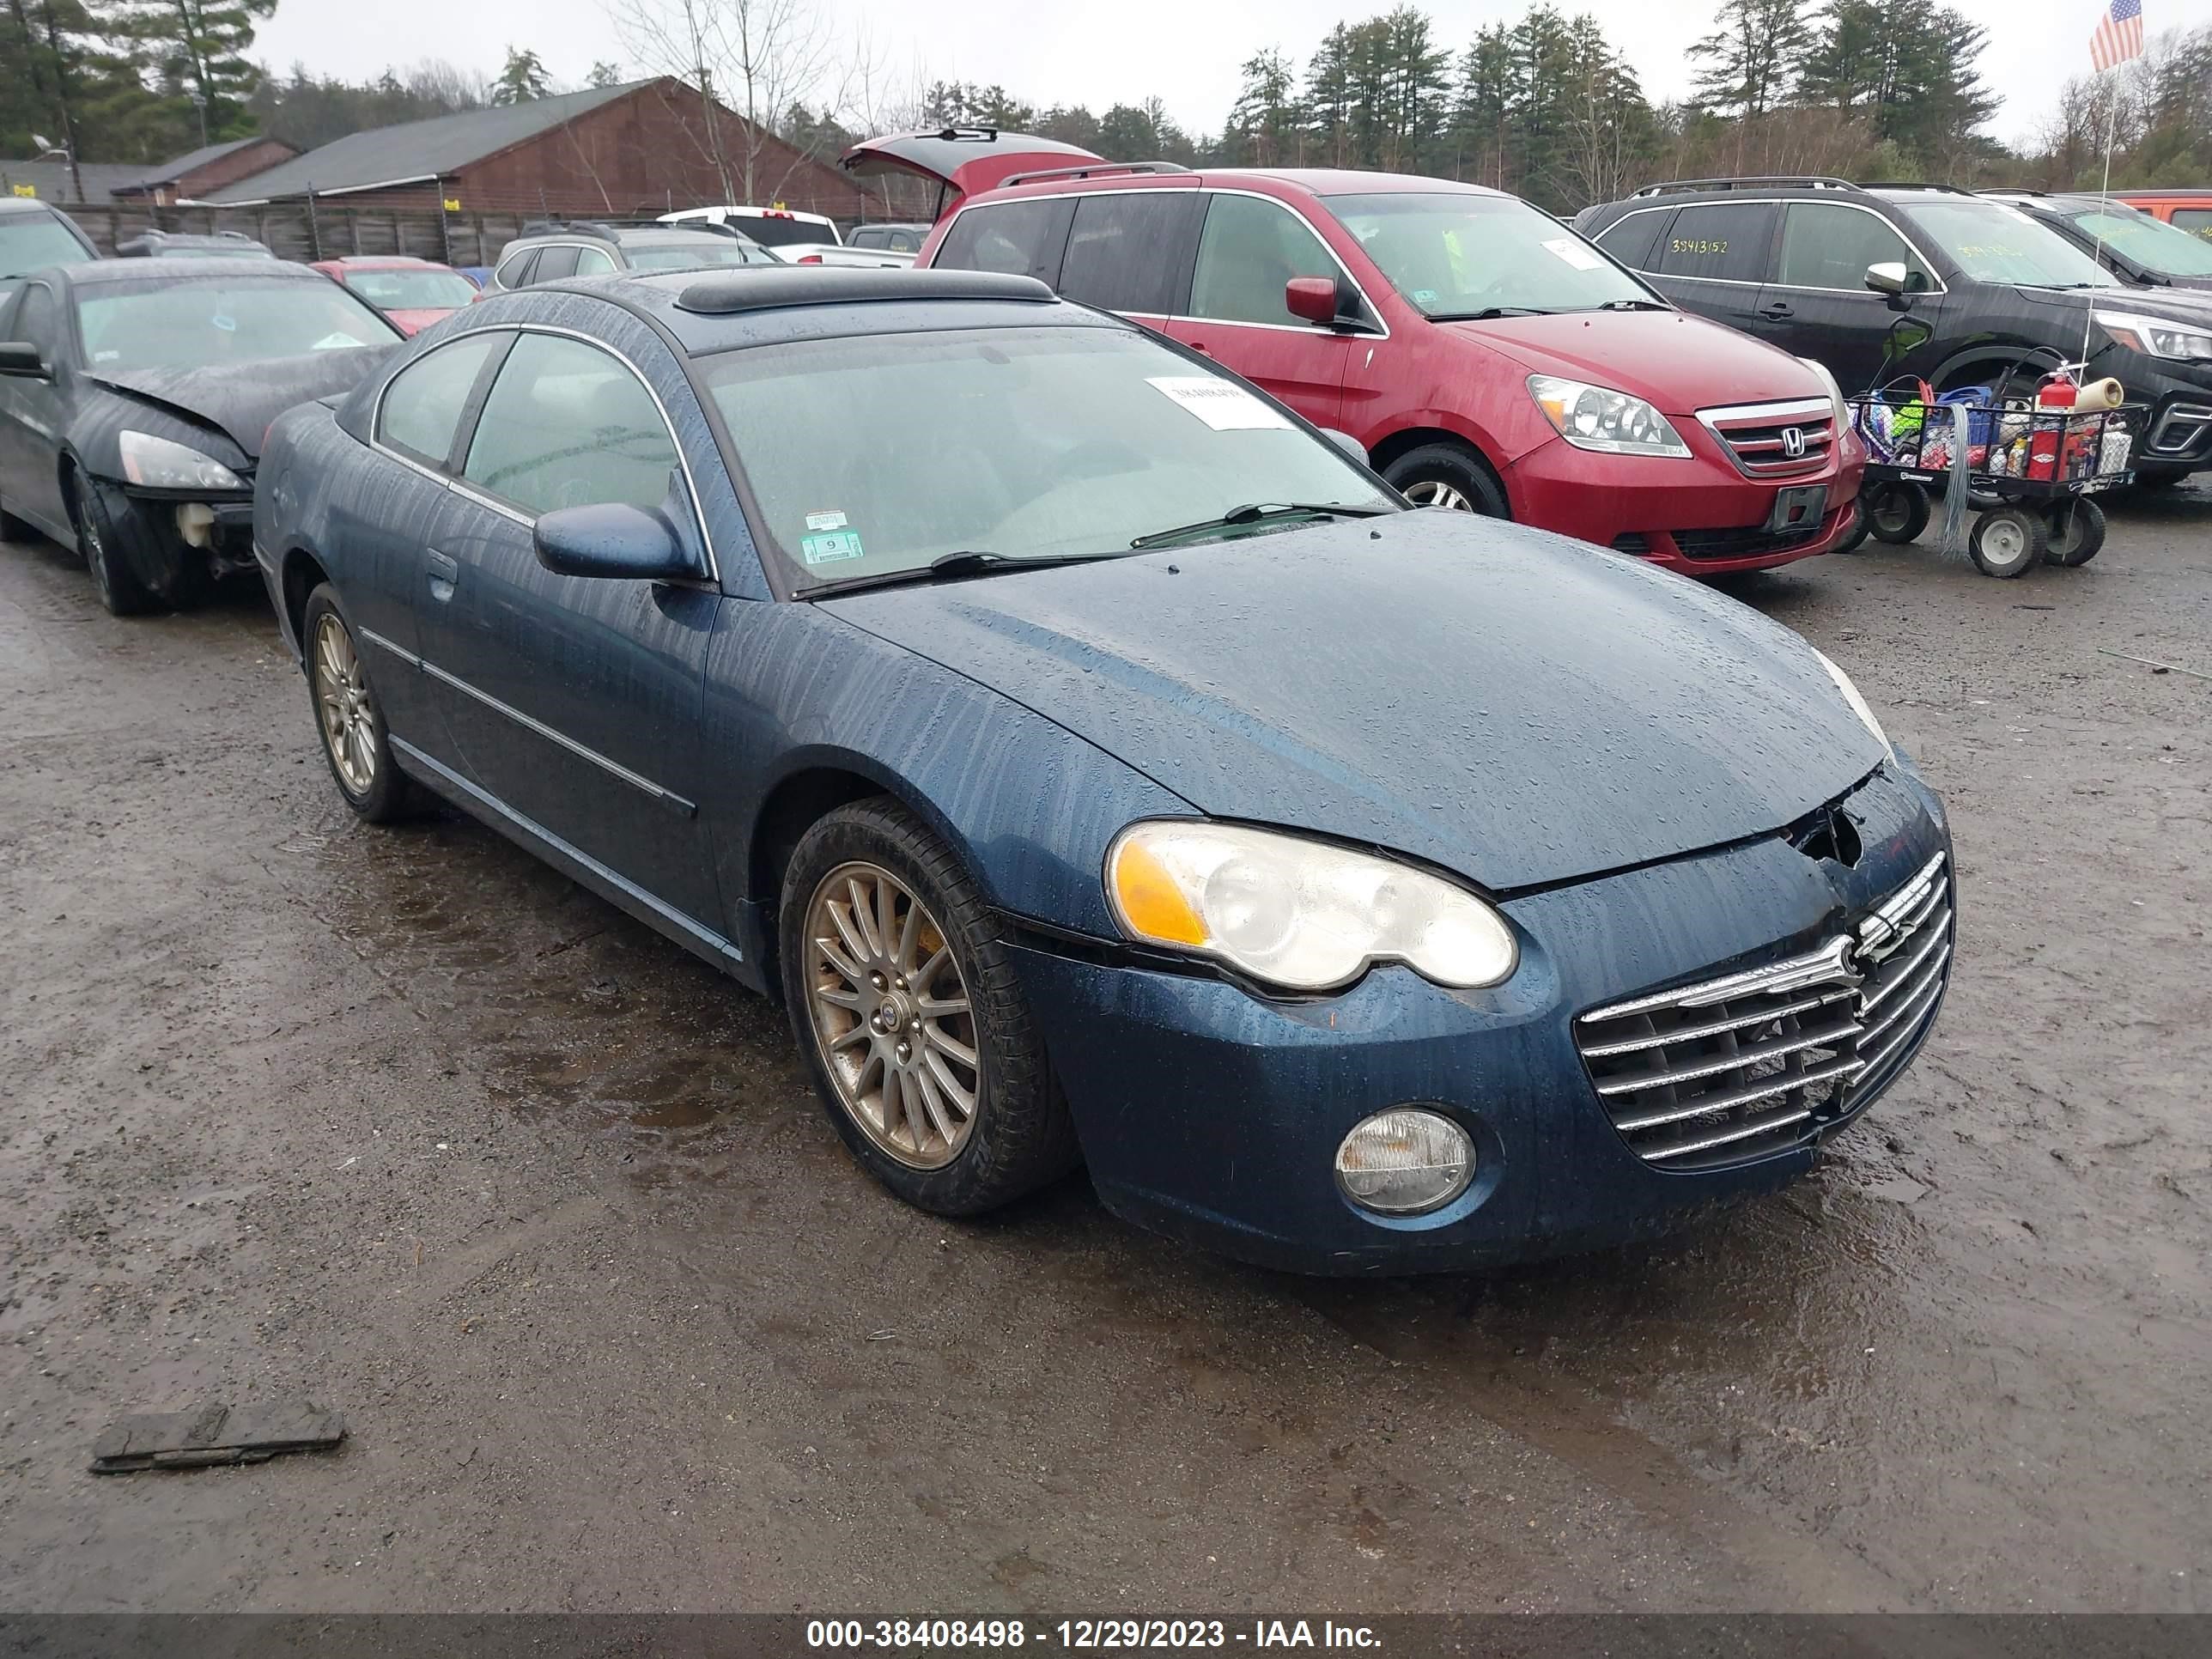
pixel 1775 440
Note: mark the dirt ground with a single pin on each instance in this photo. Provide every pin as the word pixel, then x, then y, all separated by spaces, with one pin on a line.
pixel 405 1121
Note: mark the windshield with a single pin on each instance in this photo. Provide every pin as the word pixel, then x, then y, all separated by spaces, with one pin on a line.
pixel 2149 242
pixel 405 289
pixel 232 319
pixel 685 256
pixel 1461 256
pixel 872 455
pixel 1994 243
pixel 34 241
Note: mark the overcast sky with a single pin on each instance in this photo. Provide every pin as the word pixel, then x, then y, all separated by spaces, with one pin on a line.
pixel 1185 50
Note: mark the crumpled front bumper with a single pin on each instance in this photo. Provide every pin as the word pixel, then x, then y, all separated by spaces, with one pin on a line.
pixel 1213 1114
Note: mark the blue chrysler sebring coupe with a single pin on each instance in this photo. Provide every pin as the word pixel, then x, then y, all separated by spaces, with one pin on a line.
pixel 1103 767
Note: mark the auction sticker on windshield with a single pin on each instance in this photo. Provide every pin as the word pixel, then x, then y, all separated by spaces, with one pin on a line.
pixel 829 546
pixel 1223 407
pixel 1573 253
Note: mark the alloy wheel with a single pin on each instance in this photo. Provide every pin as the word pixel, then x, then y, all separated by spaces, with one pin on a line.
pixel 1434 492
pixel 891 1015
pixel 349 713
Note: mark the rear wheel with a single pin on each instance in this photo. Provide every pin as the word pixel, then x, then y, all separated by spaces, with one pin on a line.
pixel 1898 513
pixel 1447 475
pixel 902 993
pixel 2007 541
pixel 2077 533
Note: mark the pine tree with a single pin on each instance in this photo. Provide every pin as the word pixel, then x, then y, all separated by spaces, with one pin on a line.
pixel 195 52
pixel 523 79
pixel 1752 56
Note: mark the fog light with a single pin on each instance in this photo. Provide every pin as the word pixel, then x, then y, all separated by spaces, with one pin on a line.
pixel 196 523
pixel 1404 1161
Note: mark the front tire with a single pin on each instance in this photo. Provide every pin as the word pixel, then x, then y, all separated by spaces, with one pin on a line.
pixel 355 746
pixel 1447 476
pixel 2008 542
pixel 903 996
pixel 98 539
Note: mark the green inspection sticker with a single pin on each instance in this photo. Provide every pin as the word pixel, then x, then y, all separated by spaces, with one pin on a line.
pixel 827 547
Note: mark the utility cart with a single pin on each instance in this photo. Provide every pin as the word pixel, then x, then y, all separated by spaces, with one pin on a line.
pixel 2030 473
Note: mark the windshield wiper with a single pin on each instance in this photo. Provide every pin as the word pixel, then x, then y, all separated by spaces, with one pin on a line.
pixel 966 562
pixel 1487 314
pixel 1259 512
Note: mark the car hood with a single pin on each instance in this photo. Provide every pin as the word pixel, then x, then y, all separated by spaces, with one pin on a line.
pixel 1678 362
pixel 1501 702
pixel 2175 305
pixel 240 399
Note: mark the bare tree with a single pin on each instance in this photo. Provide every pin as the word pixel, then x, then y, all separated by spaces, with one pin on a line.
pixel 758 56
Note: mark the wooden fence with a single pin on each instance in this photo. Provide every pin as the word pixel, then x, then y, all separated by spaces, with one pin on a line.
pixel 316 230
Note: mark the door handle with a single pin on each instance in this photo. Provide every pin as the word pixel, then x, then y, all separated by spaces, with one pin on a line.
pixel 1776 311
pixel 444 573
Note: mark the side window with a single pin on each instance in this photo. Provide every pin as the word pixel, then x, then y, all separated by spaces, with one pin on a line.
pixel 1721 241
pixel 37 320
pixel 866 236
pixel 514 270
pixel 1824 246
pixel 567 425
pixel 1249 249
pixel 554 263
pixel 2197 222
pixel 591 262
pixel 1633 240
pixel 1021 237
pixel 422 405
pixel 1129 249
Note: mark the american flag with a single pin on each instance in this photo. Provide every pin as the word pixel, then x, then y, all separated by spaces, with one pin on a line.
pixel 2118 36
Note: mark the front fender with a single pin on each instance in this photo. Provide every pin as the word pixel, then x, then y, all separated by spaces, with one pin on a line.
pixel 1028 807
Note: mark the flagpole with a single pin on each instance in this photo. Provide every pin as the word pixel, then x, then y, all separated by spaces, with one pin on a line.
pixel 2104 207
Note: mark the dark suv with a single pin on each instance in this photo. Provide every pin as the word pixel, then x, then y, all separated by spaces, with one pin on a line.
pixel 1889 280
pixel 550 249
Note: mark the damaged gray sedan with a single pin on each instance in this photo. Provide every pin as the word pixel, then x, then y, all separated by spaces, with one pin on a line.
pixel 134 396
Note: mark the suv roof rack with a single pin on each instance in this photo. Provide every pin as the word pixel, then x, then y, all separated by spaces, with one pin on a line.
pixel 1762 181
pixel 610 230
pixel 1090 170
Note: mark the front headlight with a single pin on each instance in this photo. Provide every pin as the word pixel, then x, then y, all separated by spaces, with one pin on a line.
pixel 1597 417
pixel 1835 392
pixel 1858 703
pixel 1298 914
pixel 2155 335
pixel 159 463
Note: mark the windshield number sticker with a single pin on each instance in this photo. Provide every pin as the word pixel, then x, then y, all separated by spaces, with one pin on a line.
pixel 830 546
pixel 1223 407
pixel 831 520
pixel 1573 253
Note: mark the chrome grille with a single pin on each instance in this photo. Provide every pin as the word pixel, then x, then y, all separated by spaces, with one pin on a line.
pixel 1761 1061
pixel 1758 436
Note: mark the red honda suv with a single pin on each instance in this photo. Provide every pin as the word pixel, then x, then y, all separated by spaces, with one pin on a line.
pixel 1486 356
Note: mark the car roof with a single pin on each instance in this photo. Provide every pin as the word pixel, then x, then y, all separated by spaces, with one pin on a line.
pixel 721 309
pixel 25 204
pixel 1346 181
pixel 385 261
pixel 187 270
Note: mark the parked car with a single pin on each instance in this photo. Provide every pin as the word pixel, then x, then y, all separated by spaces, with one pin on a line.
pixel 2187 210
pixel 134 398
pixel 2140 250
pixel 1923 281
pixel 1100 763
pixel 412 293
pixel 1485 356
pixel 549 250
pixel 890 237
pixel 181 244
pixel 33 235
pixel 794 238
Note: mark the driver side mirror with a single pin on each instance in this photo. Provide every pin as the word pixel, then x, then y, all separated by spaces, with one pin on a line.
pixel 20 359
pixel 614 539
pixel 1894 284
pixel 1323 300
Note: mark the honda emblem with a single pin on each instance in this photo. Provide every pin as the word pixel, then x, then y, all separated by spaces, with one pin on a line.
pixel 1793 442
